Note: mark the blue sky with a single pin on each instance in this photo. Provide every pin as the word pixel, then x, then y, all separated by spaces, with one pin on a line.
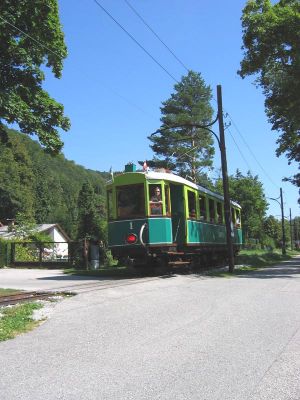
pixel 112 91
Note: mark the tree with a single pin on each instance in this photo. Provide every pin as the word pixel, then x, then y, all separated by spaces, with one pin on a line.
pixel 16 180
pixel 272 228
pixel 89 224
pixel 31 38
pixel 46 188
pixel 187 150
pixel 296 232
pixel 271 37
pixel 248 192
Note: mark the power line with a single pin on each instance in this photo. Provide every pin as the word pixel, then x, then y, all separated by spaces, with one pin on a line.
pixel 248 147
pixel 135 41
pixel 155 34
pixel 253 155
pixel 240 151
pixel 30 37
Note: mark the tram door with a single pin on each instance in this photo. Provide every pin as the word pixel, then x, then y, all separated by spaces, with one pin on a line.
pixel 177 207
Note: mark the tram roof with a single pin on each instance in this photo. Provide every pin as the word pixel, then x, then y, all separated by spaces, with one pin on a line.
pixel 170 176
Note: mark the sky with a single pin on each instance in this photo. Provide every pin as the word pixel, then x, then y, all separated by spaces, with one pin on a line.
pixel 112 90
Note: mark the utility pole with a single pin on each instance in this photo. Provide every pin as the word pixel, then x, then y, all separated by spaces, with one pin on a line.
pixel 283 249
pixel 291 229
pixel 227 209
pixel 282 224
pixel 221 143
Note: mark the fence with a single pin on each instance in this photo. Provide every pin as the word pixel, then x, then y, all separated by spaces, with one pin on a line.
pixel 81 254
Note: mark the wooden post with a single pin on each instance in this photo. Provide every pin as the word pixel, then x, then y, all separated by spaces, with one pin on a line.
pixel 227 209
pixel 282 224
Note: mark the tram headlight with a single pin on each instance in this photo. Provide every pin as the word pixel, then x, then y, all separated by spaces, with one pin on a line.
pixel 131 238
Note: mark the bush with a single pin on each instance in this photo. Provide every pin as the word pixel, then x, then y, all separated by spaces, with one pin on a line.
pixel 268 243
pixel 4 253
pixel 252 244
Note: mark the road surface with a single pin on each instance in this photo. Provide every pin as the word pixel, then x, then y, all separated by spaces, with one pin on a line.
pixel 182 337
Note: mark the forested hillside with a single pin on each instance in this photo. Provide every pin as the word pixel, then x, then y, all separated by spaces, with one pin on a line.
pixel 42 187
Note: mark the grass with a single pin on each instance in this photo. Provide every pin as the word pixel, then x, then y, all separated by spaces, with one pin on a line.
pixel 246 261
pixel 17 319
pixel 260 258
pixel 253 260
pixel 7 292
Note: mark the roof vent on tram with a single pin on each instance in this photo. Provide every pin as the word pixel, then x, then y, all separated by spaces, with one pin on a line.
pixel 130 167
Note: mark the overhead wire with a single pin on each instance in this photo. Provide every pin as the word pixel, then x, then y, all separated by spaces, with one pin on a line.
pixel 242 155
pixel 248 147
pixel 146 51
pixel 156 35
pixel 239 150
pixel 135 40
pixel 251 152
pixel 160 65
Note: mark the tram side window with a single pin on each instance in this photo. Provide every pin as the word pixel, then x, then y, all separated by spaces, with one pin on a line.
pixel 167 197
pixel 130 201
pixel 211 206
pixel 238 218
pixel 156 203
pixel 192 204
pixel 233 216
pixel 202 204
pixel 110 204
pixel 220 212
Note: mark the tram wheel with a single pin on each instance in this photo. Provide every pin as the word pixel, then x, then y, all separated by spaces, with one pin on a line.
pixel 161 266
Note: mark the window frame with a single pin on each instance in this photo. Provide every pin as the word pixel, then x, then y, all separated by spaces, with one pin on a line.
pixel 202 217
pixel 220 216
pixel 131 215
pixel 151 194
pixel 212 219
pixel 191 215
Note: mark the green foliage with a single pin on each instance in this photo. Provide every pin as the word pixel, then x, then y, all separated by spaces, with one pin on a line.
pixel 273 231
pixel 16 179
pixel 26 252
pixel 187 150
pixel 17 319
pixel 43 188
pixel 271 37
pixel 4 253
pixel 89 223
pixel 248 192
pixel 296 231
pixel 24 53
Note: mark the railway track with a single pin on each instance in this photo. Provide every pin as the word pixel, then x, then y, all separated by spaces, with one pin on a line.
pixel 103 285
pixel 24 297
pixel 70 290
pixel 77 288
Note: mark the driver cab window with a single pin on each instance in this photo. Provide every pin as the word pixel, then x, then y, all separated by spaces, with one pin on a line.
pixel 155 203
pixel 130 201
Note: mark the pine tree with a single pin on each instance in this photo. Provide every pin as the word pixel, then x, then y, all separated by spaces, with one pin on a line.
pixel 89 224
pixel 188 150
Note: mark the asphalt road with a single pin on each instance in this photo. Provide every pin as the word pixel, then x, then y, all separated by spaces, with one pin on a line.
pixel 182 337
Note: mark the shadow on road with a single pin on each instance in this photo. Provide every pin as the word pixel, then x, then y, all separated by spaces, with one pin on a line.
pixel 79 278
pixel 289 269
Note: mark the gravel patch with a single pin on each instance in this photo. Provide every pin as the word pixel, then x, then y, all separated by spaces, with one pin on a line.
pixel 47 310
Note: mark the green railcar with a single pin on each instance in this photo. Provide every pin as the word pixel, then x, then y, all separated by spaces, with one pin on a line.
pixel 156 219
